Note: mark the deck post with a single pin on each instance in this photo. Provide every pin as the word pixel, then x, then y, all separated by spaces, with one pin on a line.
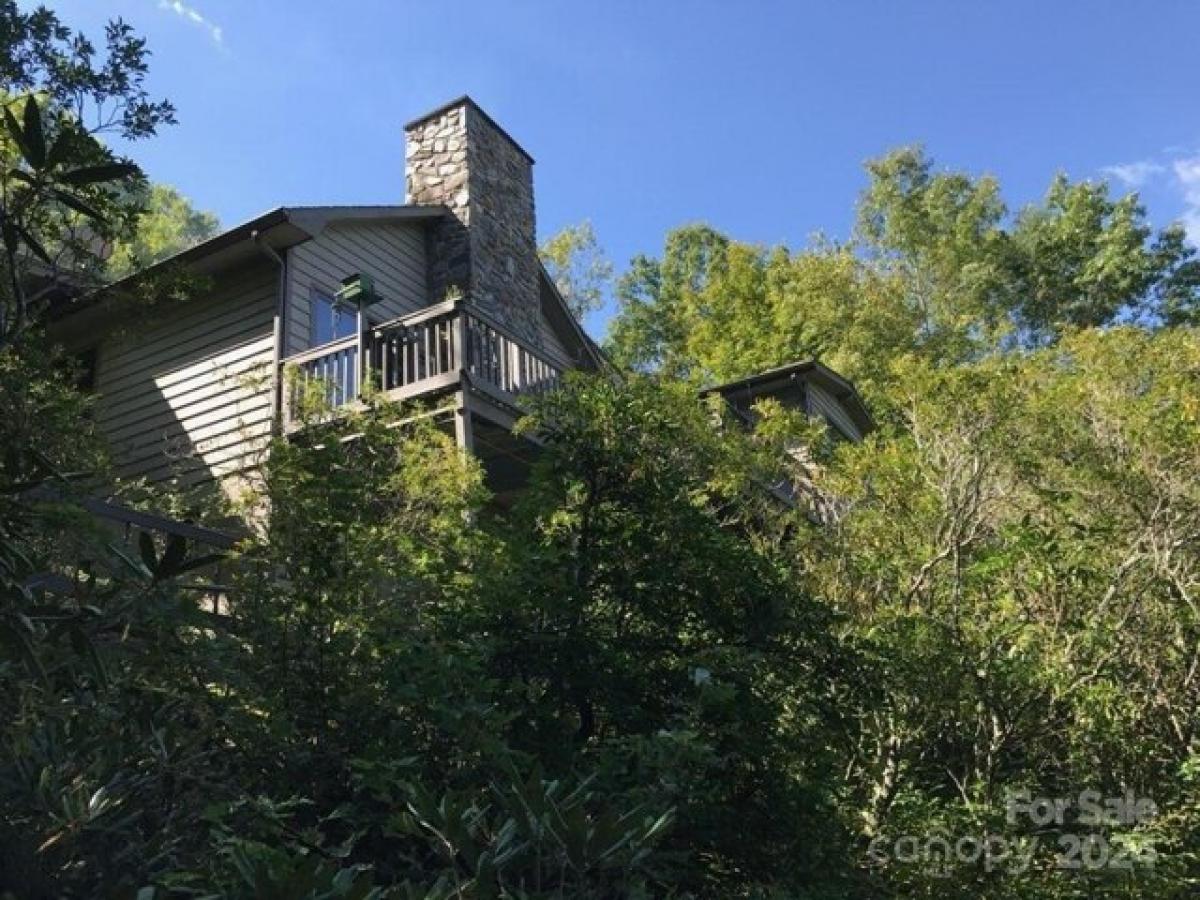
pixel 459 345
pixel 360 353
pixel 463 433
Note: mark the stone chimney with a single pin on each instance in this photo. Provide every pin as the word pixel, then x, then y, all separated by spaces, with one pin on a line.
pixel 459 157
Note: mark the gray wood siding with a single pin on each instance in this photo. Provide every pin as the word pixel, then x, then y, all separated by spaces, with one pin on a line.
pixel 553 346
pixel 392 254
pixel 827 406
pixel 187 392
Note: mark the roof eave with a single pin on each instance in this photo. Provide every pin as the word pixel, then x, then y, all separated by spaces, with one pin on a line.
pixel 590 346
pixel 307 220
pixel 840 387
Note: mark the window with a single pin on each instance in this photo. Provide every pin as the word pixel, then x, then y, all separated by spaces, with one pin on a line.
pixel 329 321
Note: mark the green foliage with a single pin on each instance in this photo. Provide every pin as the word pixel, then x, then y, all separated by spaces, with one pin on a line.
pixel 650 677
pixel 168 225
pixel 938 269
pixel 578 266
pixel 66 193
pixel 624 686
pixel 535 835
pixel 649 620
pixel 1014 554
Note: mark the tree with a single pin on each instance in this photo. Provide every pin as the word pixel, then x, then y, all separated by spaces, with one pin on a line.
pixel 65 193
pixel 1016 555
pixel 938 268
pixel 578 266
pixel 652 321
pixel 168 225
pixel 646 617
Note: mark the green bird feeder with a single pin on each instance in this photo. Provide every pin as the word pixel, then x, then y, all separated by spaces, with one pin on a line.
pixel 356 292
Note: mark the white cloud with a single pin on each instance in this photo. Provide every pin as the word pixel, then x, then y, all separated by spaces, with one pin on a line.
pixel 1187 173
pixel 194 16
pixel 1134 174
pixel 1176 172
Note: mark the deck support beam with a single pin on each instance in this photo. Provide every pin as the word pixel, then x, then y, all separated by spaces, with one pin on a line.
pixel 464 434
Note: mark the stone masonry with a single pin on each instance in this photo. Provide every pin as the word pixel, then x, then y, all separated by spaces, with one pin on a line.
pixel 457 156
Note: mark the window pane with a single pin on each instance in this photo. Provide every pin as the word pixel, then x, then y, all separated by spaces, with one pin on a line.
pixel 330 322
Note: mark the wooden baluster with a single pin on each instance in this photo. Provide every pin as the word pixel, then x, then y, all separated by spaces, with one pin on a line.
pixel 480 351
pixel 498 358
pixel 407 350
pixel 458 326
pixel 505 362
pixel 398 358
pixel 495 356
pixel 388 366
pixel 491 371
pixel 414 337
pixel 430 349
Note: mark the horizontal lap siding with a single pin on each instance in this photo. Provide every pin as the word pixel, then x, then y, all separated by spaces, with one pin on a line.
pixel 392 254
pixel 553 347
pixel 187 393
pixel 827 406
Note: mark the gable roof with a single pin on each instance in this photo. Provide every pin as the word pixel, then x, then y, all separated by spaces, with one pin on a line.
pixel 279 228
pixel 286 226
pixel 771 381
pixel 563 321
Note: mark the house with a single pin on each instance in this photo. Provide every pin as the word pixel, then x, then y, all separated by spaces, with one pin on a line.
pixel 810 386
pixel 441 299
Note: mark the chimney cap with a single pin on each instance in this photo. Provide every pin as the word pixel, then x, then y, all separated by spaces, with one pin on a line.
pixel 466 101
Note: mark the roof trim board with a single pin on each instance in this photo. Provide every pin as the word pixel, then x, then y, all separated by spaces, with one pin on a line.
pixel 818 372
pixel 281 228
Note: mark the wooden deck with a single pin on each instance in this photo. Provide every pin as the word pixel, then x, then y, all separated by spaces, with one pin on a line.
pixel 449 351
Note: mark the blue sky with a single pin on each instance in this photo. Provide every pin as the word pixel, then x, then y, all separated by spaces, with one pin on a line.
pixel 753 116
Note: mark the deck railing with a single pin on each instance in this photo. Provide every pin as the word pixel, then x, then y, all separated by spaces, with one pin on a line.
pixel 422 353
